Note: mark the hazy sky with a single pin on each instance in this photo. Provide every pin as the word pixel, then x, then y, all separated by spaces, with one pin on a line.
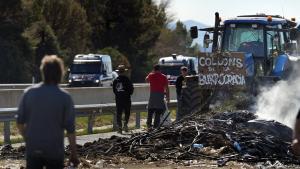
pixel 203 10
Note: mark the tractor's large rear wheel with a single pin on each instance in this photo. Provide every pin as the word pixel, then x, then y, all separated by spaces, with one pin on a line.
pixel 193 97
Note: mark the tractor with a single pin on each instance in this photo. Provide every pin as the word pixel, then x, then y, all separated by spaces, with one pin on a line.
pixel 248 52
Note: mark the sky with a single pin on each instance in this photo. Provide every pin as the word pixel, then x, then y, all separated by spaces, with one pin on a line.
pixel 203 10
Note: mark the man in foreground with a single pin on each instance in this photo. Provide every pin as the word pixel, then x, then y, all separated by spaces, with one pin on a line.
pixel 44 112
pixel 123 89
pixel 159 87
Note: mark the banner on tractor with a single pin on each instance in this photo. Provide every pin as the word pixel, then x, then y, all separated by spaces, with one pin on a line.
pixel 222 70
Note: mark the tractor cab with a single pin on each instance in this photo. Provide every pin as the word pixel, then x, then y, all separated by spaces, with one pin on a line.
pixel 268 41
pixel 264 38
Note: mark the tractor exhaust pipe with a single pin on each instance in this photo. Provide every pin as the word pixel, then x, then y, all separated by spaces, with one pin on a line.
pixel 216 32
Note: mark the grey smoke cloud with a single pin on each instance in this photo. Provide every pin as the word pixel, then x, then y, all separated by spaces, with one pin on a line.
pixel 281 102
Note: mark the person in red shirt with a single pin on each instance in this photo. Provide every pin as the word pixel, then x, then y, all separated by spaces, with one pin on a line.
pixel 159 88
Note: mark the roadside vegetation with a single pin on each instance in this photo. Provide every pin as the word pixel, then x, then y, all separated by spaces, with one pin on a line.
pixel 133 32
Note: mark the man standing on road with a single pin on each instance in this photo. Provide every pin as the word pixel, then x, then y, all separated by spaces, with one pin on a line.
pixel 179 81
pixel 123 89
pixel 44 112
pixel 159 87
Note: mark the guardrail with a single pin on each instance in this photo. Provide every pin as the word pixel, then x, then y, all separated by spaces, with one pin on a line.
pixel 91 111
pixel 25 85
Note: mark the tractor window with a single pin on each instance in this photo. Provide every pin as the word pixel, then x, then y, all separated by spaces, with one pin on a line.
pixel 272 42
pixel 282 41
pixel 244 38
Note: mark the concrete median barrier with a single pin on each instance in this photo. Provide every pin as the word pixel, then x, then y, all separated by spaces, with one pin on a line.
pixel 82 96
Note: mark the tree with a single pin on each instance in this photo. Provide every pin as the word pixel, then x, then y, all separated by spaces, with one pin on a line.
pixel 14 65
pixel 68 27
pixel 43 41
pixel 68 21
pixel 130 26
pixel 174 41
pixel 10 10
pixel 116 57
pixel 15 52
pixel 95 10
pixel 182 37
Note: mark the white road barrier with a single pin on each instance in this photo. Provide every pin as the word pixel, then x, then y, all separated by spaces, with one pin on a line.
pixel 84 95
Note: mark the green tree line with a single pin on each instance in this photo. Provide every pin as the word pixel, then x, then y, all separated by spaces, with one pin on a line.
pixel 133 32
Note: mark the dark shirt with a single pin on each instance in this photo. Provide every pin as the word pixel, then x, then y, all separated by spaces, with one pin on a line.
pixel 122 87
pixel 47 111
pixel 178 84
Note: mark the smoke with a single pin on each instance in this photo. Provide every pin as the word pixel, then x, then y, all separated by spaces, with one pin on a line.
pixel 281 101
